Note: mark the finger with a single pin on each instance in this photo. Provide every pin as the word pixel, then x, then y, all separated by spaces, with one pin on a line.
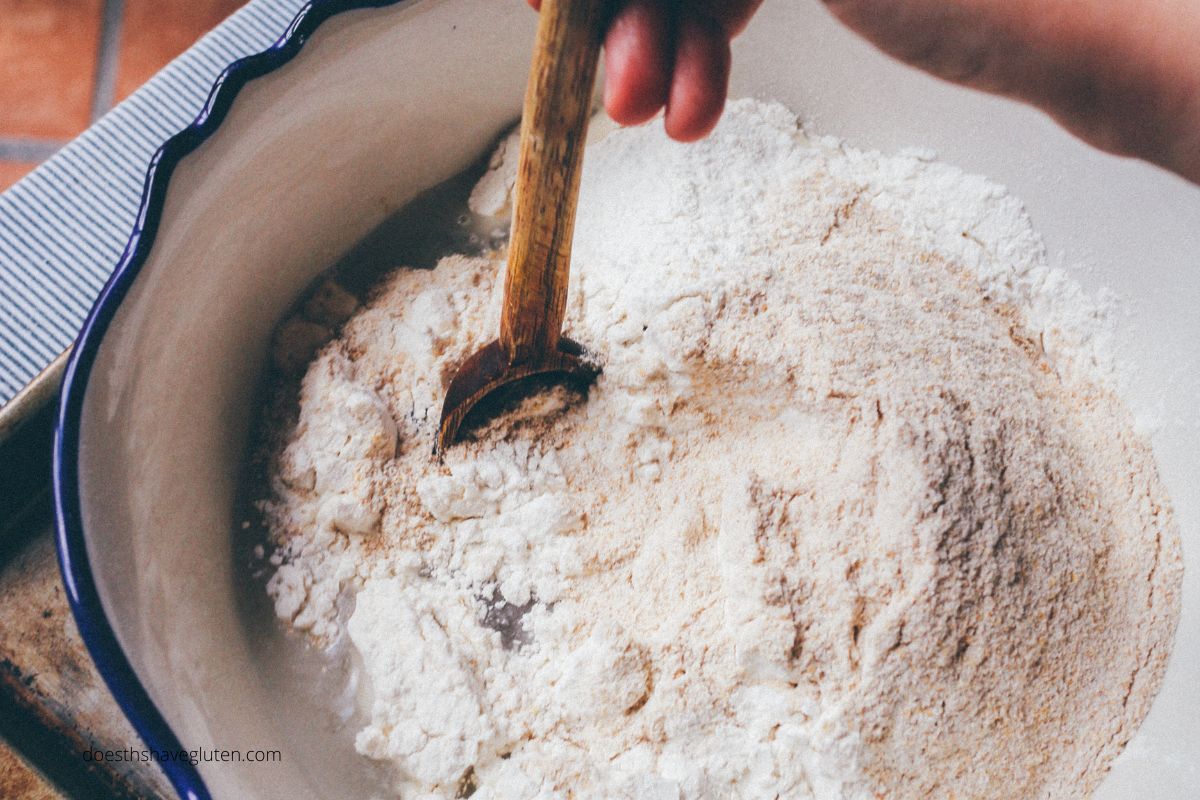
pixel 637 61
pixel 536 4
pixel 731 15
pixel 700 79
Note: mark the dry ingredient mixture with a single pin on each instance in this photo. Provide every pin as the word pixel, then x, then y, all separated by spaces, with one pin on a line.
pixel 850 513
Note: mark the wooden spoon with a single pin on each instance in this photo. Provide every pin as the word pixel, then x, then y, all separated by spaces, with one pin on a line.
pixel 553 130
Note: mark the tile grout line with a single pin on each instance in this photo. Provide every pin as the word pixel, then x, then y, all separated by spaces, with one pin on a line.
pixel 33 150
pixel 105 87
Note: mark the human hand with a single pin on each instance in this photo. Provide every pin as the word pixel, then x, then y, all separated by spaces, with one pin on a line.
pixel 671 54
pixel 1123 75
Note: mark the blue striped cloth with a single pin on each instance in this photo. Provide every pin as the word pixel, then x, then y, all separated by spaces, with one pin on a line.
pixel 64 226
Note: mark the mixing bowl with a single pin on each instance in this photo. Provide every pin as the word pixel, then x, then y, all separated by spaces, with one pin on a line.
pixel 302 150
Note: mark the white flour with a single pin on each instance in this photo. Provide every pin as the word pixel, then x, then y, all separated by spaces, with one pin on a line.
pixel 848 514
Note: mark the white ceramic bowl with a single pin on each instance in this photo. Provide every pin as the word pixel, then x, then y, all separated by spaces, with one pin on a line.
pixel 246 207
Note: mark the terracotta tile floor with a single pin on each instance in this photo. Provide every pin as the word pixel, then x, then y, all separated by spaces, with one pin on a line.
pixel 13 171
pixel 63 63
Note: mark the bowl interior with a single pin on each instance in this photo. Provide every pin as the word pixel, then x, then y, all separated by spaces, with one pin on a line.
pixel 384 103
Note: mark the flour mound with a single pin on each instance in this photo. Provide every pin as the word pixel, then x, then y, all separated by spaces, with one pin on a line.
pixel 849 513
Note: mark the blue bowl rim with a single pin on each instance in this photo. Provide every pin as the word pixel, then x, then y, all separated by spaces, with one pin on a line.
pixel 84 599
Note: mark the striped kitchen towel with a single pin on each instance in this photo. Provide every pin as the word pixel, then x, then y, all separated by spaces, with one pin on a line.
pixel 64 226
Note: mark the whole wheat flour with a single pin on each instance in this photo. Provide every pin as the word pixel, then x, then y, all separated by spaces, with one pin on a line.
pixel 850 512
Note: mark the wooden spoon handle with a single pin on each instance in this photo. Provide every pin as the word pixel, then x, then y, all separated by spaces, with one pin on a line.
pixel 553 129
